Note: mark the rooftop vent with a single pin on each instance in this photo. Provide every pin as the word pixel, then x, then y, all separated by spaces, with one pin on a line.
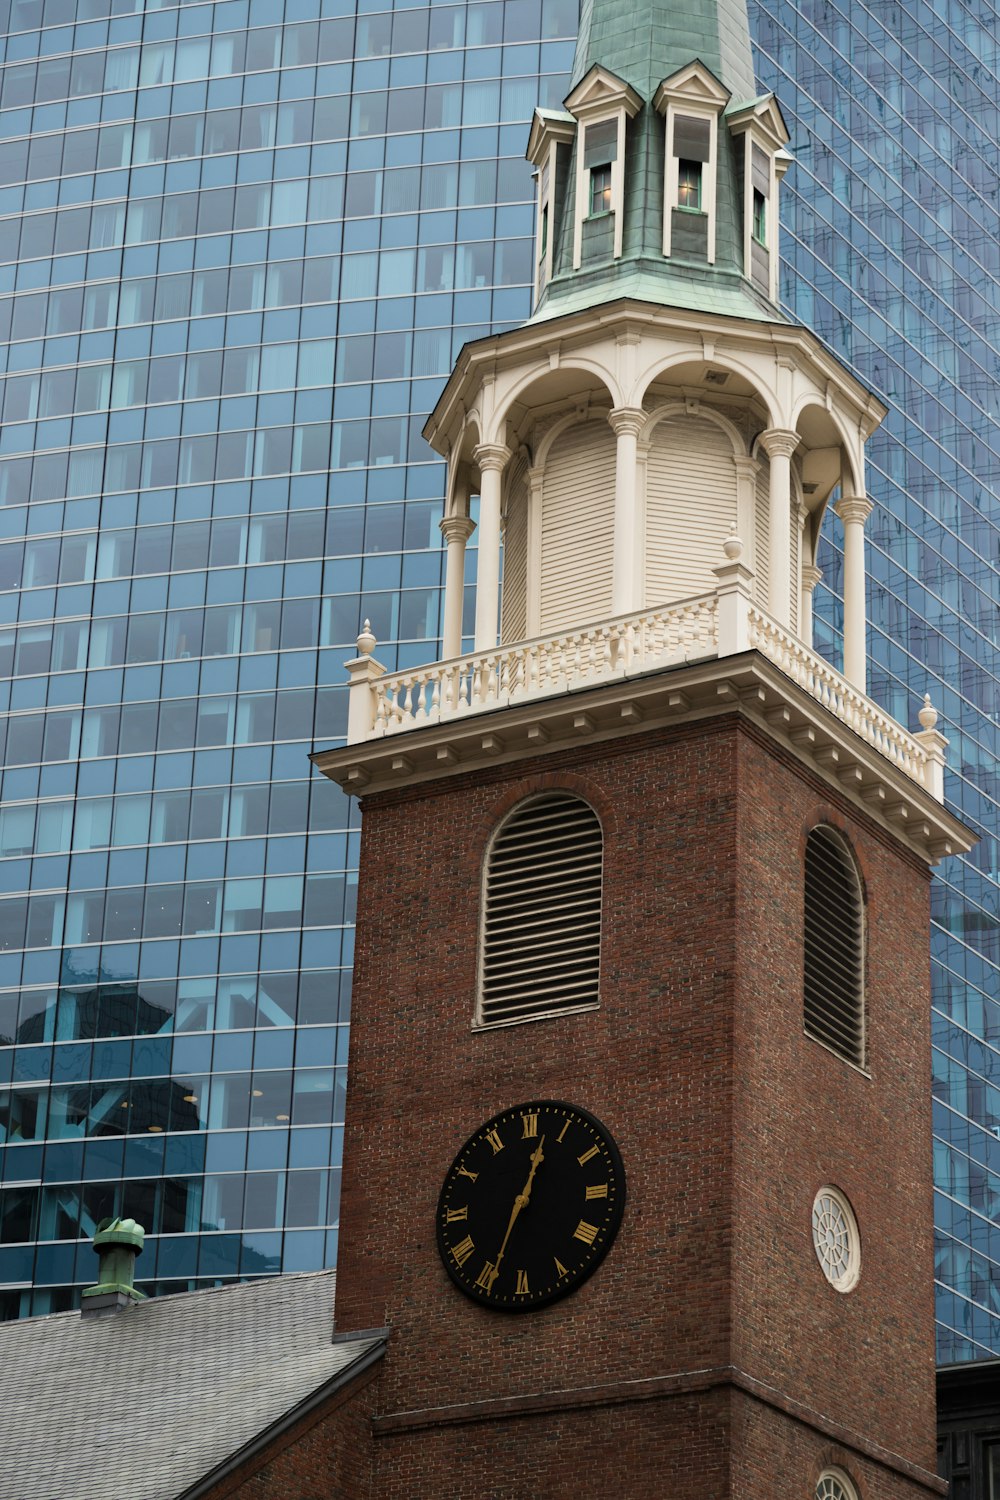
pixel 541 935
pixel 834 947
pixel 716 377
pixel 117 1242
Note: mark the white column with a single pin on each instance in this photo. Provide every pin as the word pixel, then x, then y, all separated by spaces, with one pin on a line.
pixel 811 575
pixel 779 445
pixel 491 458
pixel 456 531
pixel 854 511
pixel 626 423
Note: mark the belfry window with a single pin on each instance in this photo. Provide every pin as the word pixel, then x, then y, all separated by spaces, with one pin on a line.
pixel 833 989
pixel 689 185
pixel 600 189
pixel 759 217
pixel 540 945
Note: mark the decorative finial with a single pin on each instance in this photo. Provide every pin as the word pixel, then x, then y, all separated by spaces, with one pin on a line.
pixel 928 715
pixel 732 546
pixel 366 641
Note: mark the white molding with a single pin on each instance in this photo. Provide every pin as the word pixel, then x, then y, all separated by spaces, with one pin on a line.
pixel 808 727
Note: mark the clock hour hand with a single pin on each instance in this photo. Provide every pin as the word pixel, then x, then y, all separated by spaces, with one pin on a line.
pixel 520 1202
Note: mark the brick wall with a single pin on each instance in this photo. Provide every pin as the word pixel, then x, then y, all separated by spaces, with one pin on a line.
pixel 326 1453
pixel 727 1117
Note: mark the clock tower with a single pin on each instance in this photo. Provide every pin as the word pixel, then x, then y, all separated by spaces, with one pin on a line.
pixel 637 1162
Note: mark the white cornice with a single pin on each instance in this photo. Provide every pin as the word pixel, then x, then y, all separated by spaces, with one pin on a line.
pixel 542 340
pixel 747 684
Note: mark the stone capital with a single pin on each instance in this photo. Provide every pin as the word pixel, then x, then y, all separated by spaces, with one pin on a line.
pixel 627 420
pixel 778 442
pixel 853 510
pixel 746 467
pixel 491 456
pixel 811 575
pixel 456 528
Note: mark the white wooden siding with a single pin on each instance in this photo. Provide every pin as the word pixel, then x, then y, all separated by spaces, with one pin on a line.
pixel 578 503
pixel 691 504
pixel 795 570
pixel 513 599
pixel 761 561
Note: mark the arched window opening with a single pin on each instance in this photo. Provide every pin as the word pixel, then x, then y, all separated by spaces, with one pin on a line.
pixel 834 946
pixel 833 1484
pixel 540 947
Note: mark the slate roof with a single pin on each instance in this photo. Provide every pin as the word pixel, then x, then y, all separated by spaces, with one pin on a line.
pixel 149 1401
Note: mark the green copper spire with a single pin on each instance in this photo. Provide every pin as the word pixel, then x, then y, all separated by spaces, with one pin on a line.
pixel 698 257
pixel 646 42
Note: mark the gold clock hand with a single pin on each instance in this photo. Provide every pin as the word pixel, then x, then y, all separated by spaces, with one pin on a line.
pixel 521 1201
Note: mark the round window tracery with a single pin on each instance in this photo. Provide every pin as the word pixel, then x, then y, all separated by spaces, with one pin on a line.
pixel 833 1484
pixel 836 1242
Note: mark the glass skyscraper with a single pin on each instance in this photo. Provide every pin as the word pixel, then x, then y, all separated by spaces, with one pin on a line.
pixel 241 244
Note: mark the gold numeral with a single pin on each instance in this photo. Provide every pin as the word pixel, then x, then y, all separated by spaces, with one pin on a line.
pixel 451 1214
pixel 586 1232
pixel 523 1288
pixel 530 1127
pixel 487 1276
pixel 587 1156
pixel 494 1140
pixel 599 1190
pixel 560 1268
pixel 562 1133
pixel 464 1250
pixel 464 1172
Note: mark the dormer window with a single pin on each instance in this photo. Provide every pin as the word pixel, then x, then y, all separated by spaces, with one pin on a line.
pixel 602 104
pixel 689 185
pixel 759 217
pixel 690 102
pixel 600 189
pixel 761 134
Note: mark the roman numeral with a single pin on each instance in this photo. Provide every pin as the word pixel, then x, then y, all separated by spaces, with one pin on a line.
pixel 587 1156
pixel 530 1123
pixel 523 1288
pixel 598 1190
pixel 451 1214
pixel 494 1140
pixel 560 1268
pixel 487 1276
pixel 463 1251
pixel 585 1232
pixel 562 1133
pixel 464 1172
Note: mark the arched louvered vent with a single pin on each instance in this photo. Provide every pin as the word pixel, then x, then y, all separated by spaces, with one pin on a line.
pixel 834 946
pixel 541 929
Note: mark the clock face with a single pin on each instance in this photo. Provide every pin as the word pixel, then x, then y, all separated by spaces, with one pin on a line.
pixel 530 1206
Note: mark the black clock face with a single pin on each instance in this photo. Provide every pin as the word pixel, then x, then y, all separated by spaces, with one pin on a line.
pixel 530 1206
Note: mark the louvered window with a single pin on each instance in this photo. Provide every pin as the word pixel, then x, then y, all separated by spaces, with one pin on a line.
pixel 834 946
pixel 541 928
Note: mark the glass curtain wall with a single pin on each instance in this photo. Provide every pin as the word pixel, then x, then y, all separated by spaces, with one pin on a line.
pixel 890 252
pixel 241 245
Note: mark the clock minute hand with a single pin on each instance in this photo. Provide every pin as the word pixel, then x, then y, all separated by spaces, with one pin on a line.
pixel 521 1201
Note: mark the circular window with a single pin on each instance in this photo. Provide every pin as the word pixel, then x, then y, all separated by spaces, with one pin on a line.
pixel 838 1248
pixel 833 1484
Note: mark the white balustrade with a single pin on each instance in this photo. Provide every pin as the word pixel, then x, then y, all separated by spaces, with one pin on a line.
pixel 542 667
pixel 816 677
pixel 627 646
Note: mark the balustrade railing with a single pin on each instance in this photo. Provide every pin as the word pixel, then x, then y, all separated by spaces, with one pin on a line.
pixel 690 630
pixel 821 682
pixel 545 666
